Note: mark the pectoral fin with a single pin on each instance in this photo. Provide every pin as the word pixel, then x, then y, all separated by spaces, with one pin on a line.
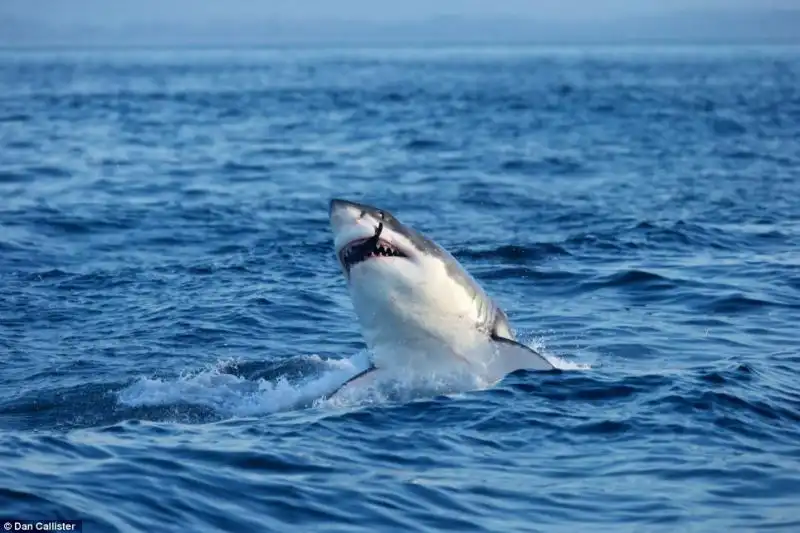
pixel 510 355
pixel 361 379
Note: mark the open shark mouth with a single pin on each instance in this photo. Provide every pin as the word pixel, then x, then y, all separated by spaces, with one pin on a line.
pixel 361 250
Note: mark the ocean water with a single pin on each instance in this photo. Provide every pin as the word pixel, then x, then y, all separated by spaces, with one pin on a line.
pixel 171 308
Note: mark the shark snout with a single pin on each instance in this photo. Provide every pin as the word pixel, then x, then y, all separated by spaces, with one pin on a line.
pixel 336 204
pixel 343 215
pixel 350 221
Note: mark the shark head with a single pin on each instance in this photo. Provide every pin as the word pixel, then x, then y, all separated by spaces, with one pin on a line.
pixel 417 306
pixel 371 242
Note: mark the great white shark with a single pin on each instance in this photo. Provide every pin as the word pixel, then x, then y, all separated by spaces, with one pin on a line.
pixel 418 308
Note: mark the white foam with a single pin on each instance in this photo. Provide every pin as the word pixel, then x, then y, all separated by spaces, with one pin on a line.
pixel 233 395
pixel 563 364
pixel 557 361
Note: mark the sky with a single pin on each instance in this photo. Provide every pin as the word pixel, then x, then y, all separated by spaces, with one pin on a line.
pixel 249 22
pixel 116 12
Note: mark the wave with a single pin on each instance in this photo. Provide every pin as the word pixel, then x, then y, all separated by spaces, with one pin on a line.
pixel 740 303
pixel 631 278
pixel 516 253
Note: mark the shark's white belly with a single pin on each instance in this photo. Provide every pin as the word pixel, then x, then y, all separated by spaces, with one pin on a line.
pixel 426 326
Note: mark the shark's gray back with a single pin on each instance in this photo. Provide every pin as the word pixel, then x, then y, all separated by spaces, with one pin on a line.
pixel 492 320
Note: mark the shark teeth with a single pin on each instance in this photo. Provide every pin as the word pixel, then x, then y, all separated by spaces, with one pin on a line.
pixel 364 249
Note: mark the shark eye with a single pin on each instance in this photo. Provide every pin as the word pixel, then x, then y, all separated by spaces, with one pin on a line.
pixel 381 214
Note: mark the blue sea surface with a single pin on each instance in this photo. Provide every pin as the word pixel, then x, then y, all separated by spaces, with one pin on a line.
pixel 171 307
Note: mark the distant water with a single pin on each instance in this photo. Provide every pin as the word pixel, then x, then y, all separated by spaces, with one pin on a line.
pixel 170 305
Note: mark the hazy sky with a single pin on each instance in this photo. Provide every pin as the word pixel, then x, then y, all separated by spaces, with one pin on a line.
pixel 115 12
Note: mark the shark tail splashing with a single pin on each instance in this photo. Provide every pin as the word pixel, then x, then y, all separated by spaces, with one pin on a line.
pixel 418 308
